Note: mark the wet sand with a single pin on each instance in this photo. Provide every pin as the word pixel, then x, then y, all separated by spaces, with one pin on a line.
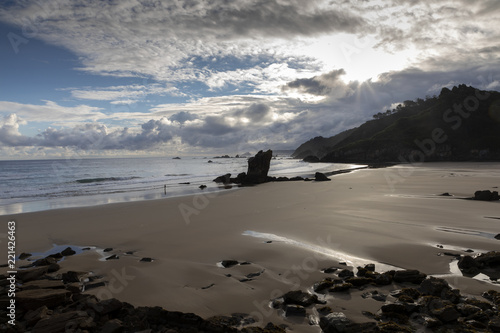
pixel 394 217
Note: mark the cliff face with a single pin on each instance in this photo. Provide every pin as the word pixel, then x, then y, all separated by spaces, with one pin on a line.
pixel 461 124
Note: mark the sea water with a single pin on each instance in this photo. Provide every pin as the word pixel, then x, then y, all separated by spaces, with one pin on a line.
pixel 33 185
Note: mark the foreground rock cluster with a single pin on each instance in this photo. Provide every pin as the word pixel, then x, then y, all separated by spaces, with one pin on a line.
pixel 416 303
pixel 48 301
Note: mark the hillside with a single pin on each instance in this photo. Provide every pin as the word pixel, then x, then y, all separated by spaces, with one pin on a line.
pixel 460 124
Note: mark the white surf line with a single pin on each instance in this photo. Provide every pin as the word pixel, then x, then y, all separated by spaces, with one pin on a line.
pixel 340 256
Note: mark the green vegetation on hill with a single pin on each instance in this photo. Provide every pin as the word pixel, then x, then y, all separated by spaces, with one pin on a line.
pixel 461 124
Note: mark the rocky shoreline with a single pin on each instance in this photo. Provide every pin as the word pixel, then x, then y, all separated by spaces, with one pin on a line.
pixel 50 301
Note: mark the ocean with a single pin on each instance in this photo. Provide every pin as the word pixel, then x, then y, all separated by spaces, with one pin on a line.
pixel 34 185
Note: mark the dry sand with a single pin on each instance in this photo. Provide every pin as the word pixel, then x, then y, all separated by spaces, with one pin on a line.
pixel 394 216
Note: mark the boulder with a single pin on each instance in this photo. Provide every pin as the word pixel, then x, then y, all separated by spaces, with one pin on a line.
pixel 345 273
pixel 258 167
pixel 410 275
pixel 68 252
pixel 34 298
pixel 24 255
pixel 228 263
pixel 468 265
pixel 298 297
pixel 31 274
pixel 486 195
pixel 61 322
pixel 225 179
pixel 44 262
pixel 489 259
pixel 320 177
pixel 434 287
pixel 295 310
pixel 202 187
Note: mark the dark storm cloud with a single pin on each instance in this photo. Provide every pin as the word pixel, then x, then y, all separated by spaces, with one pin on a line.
pixel 256 112
pixel 182 117
pixel 320 85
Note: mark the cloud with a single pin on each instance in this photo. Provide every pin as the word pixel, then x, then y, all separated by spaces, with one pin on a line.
pixel 322 85
pixel 123 94
pixel 52 111
pixel 128 38
pixel 9 132
pixel 182 117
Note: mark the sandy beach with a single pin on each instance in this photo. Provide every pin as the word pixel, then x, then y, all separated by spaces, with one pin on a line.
pixel 394 217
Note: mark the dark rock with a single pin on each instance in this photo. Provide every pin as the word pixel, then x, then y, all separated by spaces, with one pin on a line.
pixel 412 276
pixel 112 257
pixel 468 309
pixel 112 326
pixel 323 285
pixel 334 322
pixel 375 295
pixel 298 297
pixel 209 161
pixel 77 320
pixel 252 275
pixel 245 263
pixel 228 263
pixel 446 314
pixel 358 281
pixel 497 236
pixel 486 195
pixel 446 194
pixel 34 298
pixel 146 259
pixel 107 306
pixel 488 260
pixel 24 255
pixel 494 324
pixel 31 274
pixel 320 177
pixel 329 270
pixel 341 287
pixel 434 287
pixel 33 316
pixel 295 310
pixel 68 252
pixel 370 267
pixel 468 265
pixel 258 167
pixel 345 273
pixel 43 284
pixel 71 276
pixel 383 279
pixel 393 308
pixel 44 262
pixel 202 187
pixel 94 285
pixel 296 178
pixel 225 179
pixel 337 322
pixel 56 256
pixel 108 249
pixel 311 159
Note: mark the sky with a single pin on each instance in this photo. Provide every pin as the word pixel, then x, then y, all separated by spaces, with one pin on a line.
pixel 183 77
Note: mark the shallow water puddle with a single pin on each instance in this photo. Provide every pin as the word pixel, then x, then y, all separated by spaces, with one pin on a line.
pixel 340 256
pixel 57 249
pixel 467 232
